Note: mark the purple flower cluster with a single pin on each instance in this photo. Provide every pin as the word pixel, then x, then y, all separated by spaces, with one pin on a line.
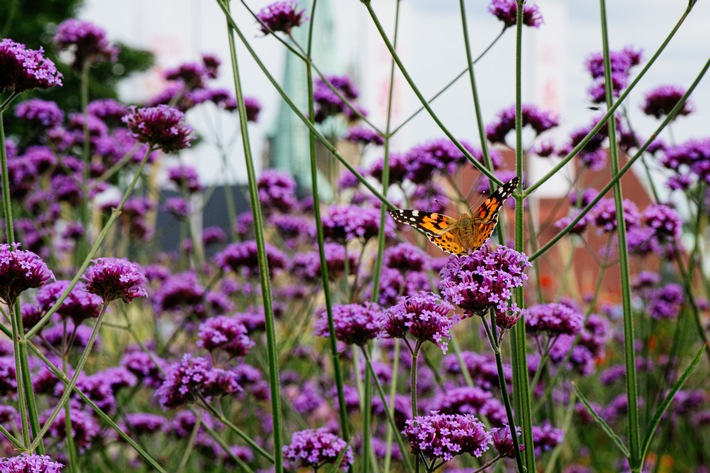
pixel 30 463
pixel 161 126
pixel 343 223
pixel 364 136
pixel 481 368
pixel 277 191
pixel 185 177
pixel 422 315
pixel 436 156
pixel 661 100
pixel 41 113
pixel 441 436
pixel 539 120
pixel 329 104
pixel 226 334
pixel 604 215
pixel 115 278
pixel 20 270
pixel 242 257
pixel 306 266
pixel 546 437
pixel 281 17
pixel 621 64
pixel 314 448
pixel 589 348
pixel 507 12
pixel 23 69
pixel 690 161
pixel 107 109
pixel 484 279
pixel 80 304
pixel 553 319
pixel 666 302
pixel 86 41
pixel 354 324
pixel 192 378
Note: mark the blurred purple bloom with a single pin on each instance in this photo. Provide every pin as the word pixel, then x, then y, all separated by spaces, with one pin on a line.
pixel 144 423
pixel 666 302
pixel 507 11
pixel 440 155
pixel 503 441
pixel 422 315
pixel 661 100
pixel 539 120
pixel 342 223
pixel 665 222
pixel 604 214
pixel 8 376
pixel 314 448
pixel 23 69
pixel 185 177
pixel 213 235
pixel 30 463
pixel 546 437
pixel 20 270
pixel 115 278
pixel 85 429
pixel 306 266
pixel 161 126
pixel 481 368
pixel 177 207
pixel 40 112
pixel 242 257
pixel 621 62
pixel 182 290
pixel 406 257
pixel 107 109
pixel 328 103
pixel 354 324
pixel 364 136
pixel 192 74
pixel 440 436
pixel 86 41
pixel 277 191
pixel 281 16
pixel 224 333
pixel 554 319
pixel 148 368
pixel 398 168
pixel 484 279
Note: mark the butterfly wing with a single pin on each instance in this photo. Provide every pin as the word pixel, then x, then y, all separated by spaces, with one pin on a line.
pixel 486 217
pixel 437 228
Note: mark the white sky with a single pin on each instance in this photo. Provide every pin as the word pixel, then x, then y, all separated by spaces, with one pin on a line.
pixel 432 49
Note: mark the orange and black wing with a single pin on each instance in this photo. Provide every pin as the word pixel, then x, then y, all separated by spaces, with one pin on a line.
pixel 437 227
pixel 486 217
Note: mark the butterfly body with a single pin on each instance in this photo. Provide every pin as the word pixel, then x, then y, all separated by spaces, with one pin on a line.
pixel 465 234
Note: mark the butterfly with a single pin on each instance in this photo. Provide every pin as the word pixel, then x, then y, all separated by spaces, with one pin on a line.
pixel 466 234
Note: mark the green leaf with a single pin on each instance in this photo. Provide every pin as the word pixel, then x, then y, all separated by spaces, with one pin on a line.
pixel 605 427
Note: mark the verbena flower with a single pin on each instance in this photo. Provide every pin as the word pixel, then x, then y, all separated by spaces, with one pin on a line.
pixel 144 423
pixel 503 441
pixel 441 436
pixel 277 191
pixel 546 437
pixel 20 270
pixel 147 368
pixel 398 168
pixel 177 207
pixel 481 368
pixel 307 267
pixel 185 177
pixel 115 278
pixel 78 305
pixel 107 109
pixel 484 279
pixel 23 69
pixel 364 136
pixel 162 126
pixel 621 62
pixel 604 214
pixel 539 120
pixel 226 334
pixel 422 315
pixel 664 221
pixel 342 223
pixel 86 41
pixel 328 103
pixel 436 156
pixel 313 448
pixel 406 257
pixel 180 291
pixel 242 258
pixel 30 463
pixel 192 74
pixel 507 11
pixel 8 376
pixel 666 302
pixel 281 17
pixel 661 100
pixel 354 324
pixel 554 319
pixel 465 400
pixel 41 113
pixel 192 377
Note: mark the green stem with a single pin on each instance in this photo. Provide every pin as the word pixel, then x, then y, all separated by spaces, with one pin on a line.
pixel 272 354
pixel 521 381
pixel 634 431
pixel 190 443
pixel 83 243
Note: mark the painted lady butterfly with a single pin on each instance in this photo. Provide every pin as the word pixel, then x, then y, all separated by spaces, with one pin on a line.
pixel 466 234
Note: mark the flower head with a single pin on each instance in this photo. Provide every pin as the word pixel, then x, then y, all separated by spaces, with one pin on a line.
pixel 442 436
pixel 554 318
pixel 42 113
pixel 422 315
pixel 604 214
pixel 162 126
pixel 537 119
pixel 666 302
pixel 80 304
pixel 242 257
pixel 225 333
pixel 503 441
pixel 484 279
pixel 185 177
pixel 661 100
pixel 329 104
pixel 277 191
pixel 30 463
pixel 23 69
pixel 364 136
pixel 348 222
pixel 86 41
pixel 20 270
pixel 507 11
pixel 281 16
pixel 115 278
pixel 355 324
pixel 314 448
